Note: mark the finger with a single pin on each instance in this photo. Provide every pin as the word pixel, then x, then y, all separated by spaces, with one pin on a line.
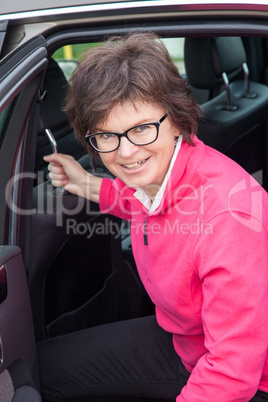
pixel 59 159
pixel 74 189
pixel 55 169
pixel 56 176
pixel 53 165
pixel 59 183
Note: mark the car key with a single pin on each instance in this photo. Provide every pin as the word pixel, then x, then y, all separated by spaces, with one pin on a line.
pixel 52 140
pixel 54 146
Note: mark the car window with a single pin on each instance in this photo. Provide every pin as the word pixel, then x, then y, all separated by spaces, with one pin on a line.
pixel 68 56
pixel 175 46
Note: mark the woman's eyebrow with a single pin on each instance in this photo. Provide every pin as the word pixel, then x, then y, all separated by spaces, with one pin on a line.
pixel 140 122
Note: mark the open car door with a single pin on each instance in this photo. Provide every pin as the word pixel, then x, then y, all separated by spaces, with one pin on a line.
pixel 20 76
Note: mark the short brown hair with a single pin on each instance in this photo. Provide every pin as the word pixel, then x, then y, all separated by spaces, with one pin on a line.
pixel 135 67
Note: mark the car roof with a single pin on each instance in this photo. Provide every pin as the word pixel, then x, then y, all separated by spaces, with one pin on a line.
pixel 24 20
pixel 14 7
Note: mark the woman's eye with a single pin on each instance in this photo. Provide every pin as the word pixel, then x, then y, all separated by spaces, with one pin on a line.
pixel 106 136
pixel 142 129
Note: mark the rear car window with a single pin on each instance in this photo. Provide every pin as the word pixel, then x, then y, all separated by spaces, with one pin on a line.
pixel 68 56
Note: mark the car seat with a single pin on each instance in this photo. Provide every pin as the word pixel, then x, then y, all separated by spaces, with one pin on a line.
pixel 76 276
pixel 54 118
pixel 73 284
pixel 235 112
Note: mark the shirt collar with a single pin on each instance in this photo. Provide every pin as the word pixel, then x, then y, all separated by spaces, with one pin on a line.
pixel 141 194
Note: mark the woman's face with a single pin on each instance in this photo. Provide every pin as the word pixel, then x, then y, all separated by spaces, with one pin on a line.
pixel 139 166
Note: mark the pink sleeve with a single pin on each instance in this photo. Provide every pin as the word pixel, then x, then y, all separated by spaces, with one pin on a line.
pixel 232 264
pixel 112 201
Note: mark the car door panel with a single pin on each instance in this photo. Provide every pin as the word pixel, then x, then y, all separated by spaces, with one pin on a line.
pixel 76 276
pixel 20 78
pixel 18 371
pixel 21 74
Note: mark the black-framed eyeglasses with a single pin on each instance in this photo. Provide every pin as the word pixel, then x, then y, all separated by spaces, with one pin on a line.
pixel 142 134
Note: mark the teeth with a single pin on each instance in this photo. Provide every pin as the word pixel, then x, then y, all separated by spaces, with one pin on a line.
pixel 135 165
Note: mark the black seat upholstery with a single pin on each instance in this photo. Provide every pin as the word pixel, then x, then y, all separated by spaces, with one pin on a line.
pixel 52 117
pixel 74 277
pixel 213 56
pixel 235 113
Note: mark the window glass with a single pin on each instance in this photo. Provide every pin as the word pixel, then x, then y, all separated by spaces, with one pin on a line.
pixel 68 56
pixel 175 46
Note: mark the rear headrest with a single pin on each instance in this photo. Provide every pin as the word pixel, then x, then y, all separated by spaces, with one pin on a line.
pixel 207 58
pixel 51 115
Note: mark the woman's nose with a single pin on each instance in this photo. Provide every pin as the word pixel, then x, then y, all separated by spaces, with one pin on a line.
pixel 126 148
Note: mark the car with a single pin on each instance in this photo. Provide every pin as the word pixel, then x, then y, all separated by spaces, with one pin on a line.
pixel 63 265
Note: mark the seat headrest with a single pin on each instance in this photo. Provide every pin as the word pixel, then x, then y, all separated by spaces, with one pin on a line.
pixel 55 83
pixel 207 58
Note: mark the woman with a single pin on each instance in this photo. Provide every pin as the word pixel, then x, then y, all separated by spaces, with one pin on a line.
pixel 199 237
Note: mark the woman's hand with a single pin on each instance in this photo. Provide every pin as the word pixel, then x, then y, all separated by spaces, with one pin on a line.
pixel 65 171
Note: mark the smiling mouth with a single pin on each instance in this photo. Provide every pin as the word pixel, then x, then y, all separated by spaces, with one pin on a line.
pixel 135 165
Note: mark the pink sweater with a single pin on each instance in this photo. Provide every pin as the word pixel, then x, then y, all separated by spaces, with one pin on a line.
pixel 205 268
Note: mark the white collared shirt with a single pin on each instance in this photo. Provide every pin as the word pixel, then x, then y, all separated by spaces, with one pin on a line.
pixel 141 194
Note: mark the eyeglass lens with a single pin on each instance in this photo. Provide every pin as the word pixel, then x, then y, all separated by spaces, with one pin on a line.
pixel 140 135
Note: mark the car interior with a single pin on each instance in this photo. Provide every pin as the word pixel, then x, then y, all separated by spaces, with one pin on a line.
pixel 84 283
pixel 235 115
pixel 79 266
